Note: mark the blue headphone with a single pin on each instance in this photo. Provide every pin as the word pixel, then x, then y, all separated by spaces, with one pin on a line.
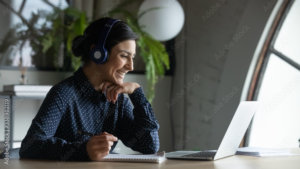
pixel 99 54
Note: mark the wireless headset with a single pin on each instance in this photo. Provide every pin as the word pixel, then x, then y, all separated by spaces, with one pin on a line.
pixel 99 54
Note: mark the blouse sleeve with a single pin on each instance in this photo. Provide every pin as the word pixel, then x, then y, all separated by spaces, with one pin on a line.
pixel 40 141
pixel 138 127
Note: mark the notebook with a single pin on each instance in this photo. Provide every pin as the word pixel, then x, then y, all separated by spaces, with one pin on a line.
pixel 148 158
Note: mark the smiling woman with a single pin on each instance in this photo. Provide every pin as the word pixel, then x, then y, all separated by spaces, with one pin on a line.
pixel 93 101
pixel 109 76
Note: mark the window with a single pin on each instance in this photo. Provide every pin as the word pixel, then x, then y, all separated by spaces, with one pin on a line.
pixel 11 57
pixel 277 123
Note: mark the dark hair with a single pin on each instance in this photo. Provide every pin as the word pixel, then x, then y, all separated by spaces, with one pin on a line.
pixel 120 31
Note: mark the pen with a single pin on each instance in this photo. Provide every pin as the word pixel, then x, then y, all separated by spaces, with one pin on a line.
pixel 85 133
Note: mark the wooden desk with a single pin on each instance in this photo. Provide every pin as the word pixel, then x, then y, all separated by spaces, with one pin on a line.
pixel 234 162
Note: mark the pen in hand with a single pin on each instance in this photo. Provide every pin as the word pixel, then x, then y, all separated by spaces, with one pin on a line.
pixel 85 133
pixel 91 135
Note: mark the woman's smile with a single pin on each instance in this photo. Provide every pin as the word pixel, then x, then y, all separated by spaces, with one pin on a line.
pixel 121 74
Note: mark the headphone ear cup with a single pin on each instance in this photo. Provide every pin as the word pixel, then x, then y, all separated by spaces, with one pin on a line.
pixel 96 55
pixel 99 57
pixel 99 54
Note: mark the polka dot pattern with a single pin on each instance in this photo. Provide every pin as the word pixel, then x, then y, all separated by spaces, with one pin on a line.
pixel 74 105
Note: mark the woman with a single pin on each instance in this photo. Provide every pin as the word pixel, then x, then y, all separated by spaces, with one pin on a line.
pixel 83 117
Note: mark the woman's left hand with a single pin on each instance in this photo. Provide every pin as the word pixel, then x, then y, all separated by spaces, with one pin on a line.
pixel 113 90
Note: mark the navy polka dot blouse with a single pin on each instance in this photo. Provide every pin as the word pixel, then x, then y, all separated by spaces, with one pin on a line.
pixel 73 106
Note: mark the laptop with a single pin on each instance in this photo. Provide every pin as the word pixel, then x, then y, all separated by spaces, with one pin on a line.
pixel 231 139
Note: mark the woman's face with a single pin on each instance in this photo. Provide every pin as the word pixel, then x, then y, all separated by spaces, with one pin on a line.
pixel 120 61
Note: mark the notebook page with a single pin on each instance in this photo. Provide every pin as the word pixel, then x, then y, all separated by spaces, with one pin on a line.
pixel 151 158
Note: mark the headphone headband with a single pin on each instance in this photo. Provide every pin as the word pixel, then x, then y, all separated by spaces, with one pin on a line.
pixel 99 54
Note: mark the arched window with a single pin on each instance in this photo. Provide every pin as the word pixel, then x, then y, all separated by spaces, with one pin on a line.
pixel 276 83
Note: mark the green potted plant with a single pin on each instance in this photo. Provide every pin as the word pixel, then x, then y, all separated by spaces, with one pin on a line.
pixel 51 40
pixel 54 42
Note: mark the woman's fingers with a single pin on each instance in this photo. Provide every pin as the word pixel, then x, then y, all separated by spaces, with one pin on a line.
pixel 106 89
pixel 113 90
pixel 117 90
pixel 100 145
pixel 115 94
pixel 112 93
pixel 105 136
pixel 105 85
pixel 109 92
pixel 108 137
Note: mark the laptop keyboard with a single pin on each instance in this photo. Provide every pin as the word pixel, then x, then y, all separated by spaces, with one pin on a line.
pixel 202 154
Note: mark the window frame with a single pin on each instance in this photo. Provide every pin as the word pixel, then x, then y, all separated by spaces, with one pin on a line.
pixel 264 56
pixel 268 49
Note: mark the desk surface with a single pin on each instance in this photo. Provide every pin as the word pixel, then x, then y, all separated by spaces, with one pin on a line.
pixel 226 163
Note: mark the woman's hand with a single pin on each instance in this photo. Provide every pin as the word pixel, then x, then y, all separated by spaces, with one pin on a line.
pixel 113 90
pixel 99 146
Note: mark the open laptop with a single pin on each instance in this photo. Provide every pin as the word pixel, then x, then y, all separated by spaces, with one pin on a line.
pixel 231 139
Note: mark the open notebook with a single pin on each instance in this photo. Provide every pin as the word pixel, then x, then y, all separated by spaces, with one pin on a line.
pixel 149 158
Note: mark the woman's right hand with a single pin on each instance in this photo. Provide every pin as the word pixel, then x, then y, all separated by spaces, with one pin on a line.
pixel 99 146
pixel 113 90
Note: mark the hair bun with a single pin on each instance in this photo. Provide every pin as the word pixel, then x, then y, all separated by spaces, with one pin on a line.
pixel 78 45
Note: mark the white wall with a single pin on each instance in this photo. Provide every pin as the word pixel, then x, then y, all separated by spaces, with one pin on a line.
pixel 216 49
pixel 254 18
